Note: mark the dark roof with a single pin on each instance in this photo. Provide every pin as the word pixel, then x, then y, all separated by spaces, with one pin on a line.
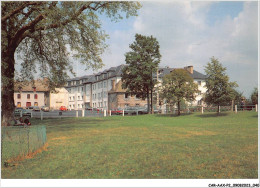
pixel 164 71
pixel 117 71
pixel 197 75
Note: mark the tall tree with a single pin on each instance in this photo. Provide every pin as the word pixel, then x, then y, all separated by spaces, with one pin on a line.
pixel 254 96
pixel 43 33
pixel 219 89
pixel 178 86
pixel 142 61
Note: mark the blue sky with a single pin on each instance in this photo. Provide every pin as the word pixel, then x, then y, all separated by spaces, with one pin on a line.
pixel 220 10
pixel 190 33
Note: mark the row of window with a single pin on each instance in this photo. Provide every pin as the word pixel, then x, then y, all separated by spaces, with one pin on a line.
pixel 79 106
pixel 73 98
pixel 27 104
pixel 99 85
pixel 28 96
pixel 100 95
pixel 100 105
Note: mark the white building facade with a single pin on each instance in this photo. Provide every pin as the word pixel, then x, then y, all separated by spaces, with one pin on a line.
pixel 92 91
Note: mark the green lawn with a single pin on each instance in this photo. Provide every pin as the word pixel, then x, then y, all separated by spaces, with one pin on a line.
pixel 147 146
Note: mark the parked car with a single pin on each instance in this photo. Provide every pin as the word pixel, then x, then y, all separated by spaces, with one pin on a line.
pixel 92 109
pixel 63 108
pixel 117 111
pixel 45 108
pixel 36 108
pixel 29 107
pixel 25 112
pixel 130 110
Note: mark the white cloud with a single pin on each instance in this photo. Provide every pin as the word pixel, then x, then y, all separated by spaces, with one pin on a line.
pixel 186 39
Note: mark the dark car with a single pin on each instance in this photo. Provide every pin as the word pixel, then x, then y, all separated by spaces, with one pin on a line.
pixel 25 112
pixel 29 107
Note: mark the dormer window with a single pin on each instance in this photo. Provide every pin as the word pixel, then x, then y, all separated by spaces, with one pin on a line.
pixel 20 88
pixel 34 89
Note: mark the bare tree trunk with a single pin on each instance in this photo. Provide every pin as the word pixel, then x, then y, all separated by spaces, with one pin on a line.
pixel 179 108
pixel 152 101
pixel 148 102
pixel 7 81
pixel 218 109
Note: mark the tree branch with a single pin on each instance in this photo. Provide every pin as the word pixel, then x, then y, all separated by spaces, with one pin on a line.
pixel 3 19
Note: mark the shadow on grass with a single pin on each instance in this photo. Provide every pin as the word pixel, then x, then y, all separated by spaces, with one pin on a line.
pixel 172 115
pixel 67 124
pixel 255 116
pixel 213 114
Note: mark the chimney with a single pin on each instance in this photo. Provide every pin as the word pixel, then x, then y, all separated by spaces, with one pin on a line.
pixel 113 85
pixel 189 69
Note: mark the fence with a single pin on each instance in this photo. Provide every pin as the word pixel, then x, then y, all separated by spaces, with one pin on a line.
pixel 201 109
pixel 21 140
pixel 167 110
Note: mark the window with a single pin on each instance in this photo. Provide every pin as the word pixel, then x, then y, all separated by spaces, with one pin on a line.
pixel 93 97
pixel 199 93
pixel 34 89
pixel 18 96
pixel 105 103
pixel 36 104
pixel 35 96
pixel 137 97
pixel 70 98
pixel 73 97
pixel 81 88
pixel 199 83
pixel 126 95
pixel 28 96
pixel 199 102
pixel 105 84
pixel 78 97
pixel 126 105
pixel 19 104
pixel 137 104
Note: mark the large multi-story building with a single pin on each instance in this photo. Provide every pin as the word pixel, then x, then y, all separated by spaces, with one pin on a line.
pixel 104 91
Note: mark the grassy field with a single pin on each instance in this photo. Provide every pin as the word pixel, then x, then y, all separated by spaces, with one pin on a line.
pixel 147 146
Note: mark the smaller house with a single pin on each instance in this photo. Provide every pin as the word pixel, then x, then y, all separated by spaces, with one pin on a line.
pixel 37 93
pixel 118 98
pixel 31 94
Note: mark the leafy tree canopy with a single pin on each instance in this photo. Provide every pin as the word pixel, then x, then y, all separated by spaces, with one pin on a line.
pixel 219 89
pixel 254 96
pixel 142 61
pixel 44 34
pixel 178 86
